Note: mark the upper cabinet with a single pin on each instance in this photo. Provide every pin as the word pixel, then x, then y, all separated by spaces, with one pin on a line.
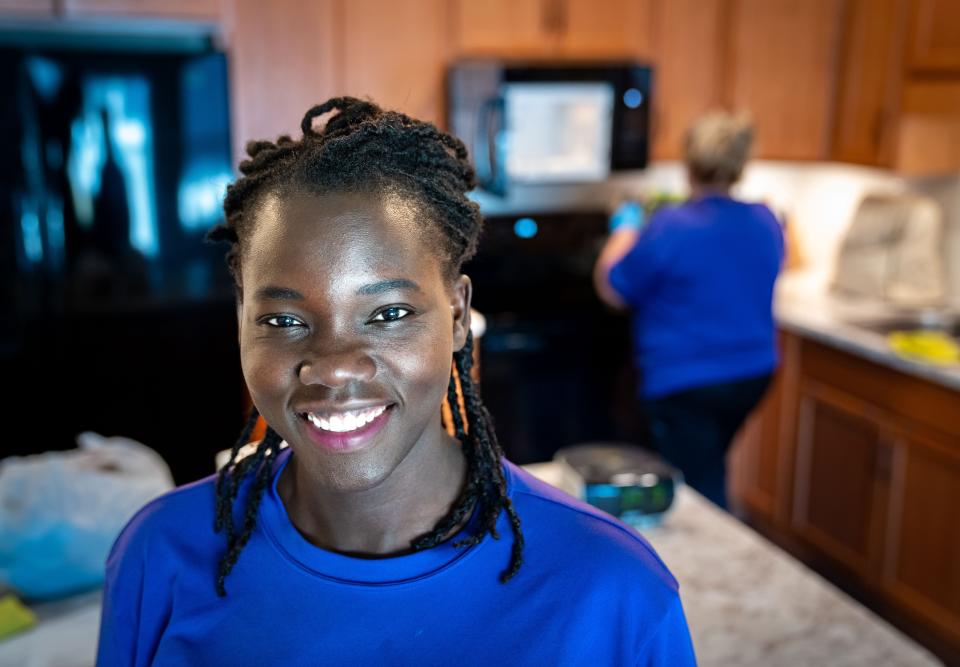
pixel 687 41
pixel 511 28
pixel 869 84
pixel 782 68
pixel 396 54
pixel 609 29
pixel 934 36
pixel 540 29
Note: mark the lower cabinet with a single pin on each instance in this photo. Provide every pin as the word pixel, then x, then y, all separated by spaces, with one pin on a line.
pixel 857 465
pixel 841 478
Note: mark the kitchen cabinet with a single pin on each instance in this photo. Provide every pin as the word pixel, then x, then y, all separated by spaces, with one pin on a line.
pixel 506 28
pixel 928 138
pixel 934 45
pixel 396 54
pixel 920 567
pixel 686 51
pixel 841 475
pixel 781 67
pixel 553 28
pixel 862 468
pixel 282 61
pixel 609 29
pixel 869 84
pixel 758 461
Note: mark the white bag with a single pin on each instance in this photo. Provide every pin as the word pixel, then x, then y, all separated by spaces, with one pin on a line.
pixel 61 511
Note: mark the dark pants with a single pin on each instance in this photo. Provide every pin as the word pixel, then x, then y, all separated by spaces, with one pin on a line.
pixel 693 429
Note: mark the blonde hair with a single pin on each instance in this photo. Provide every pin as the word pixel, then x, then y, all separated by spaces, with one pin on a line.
pixel 717 146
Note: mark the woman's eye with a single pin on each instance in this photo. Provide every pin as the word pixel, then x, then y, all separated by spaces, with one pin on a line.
pixel 391 314
pixel 282 321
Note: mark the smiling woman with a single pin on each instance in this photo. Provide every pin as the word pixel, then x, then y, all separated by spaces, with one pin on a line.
pixel 374 538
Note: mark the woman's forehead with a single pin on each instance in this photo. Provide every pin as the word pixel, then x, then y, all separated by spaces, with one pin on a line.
pixel 339 234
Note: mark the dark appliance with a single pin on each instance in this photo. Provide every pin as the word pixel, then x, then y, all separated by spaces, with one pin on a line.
pixel 554 362
pixel 550 123
pixel 117 316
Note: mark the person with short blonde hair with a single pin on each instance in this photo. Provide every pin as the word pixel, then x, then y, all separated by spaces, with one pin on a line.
pixel 716 148
pixel 698 280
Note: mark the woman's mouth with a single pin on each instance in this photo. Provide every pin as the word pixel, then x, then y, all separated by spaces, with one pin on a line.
pixel 345 430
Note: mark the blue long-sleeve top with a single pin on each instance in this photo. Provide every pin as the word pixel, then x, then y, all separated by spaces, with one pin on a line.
pixel 699 282
pixel 590 591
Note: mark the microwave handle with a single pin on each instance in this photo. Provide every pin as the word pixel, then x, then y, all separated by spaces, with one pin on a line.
pixel 489 170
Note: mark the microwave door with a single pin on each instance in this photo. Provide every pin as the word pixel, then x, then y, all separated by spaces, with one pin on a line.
pixel 487 146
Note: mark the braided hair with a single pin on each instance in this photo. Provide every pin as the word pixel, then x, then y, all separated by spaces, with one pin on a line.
pixel 363 148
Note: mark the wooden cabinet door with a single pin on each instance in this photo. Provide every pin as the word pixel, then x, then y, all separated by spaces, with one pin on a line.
pixel 935 36
pixel 838 499
pixel 609 29
pixel 869 82
pixel 782 64
pixel 928 133
pixel 687 52
pixel 281 63
pixel 509 28
pixel 760 461
pixel 396 54
pixel 921 568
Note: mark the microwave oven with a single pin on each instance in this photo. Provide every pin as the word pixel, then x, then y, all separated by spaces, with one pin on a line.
pixel 534 123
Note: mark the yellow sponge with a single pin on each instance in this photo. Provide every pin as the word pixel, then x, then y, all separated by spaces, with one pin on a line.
pixel 934 347
pixel 14 616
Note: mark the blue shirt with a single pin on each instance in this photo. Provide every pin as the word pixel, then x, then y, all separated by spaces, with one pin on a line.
pixel 699 282
pixel 590 592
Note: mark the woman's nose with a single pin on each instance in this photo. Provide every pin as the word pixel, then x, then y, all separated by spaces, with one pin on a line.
pixel 337 368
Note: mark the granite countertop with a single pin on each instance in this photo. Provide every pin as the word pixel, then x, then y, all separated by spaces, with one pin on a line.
pixel 750 604
pixel 805 307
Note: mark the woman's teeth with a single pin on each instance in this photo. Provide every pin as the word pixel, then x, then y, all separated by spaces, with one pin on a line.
pixel 343 422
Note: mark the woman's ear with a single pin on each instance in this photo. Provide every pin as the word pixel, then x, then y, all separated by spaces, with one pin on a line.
pixel 460 297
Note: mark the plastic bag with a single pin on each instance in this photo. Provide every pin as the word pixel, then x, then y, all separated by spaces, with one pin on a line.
pixel 60 512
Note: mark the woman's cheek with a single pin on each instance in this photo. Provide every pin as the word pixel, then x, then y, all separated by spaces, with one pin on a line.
pixel 265 376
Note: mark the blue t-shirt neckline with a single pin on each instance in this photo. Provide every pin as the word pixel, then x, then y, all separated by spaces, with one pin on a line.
pixel 350 569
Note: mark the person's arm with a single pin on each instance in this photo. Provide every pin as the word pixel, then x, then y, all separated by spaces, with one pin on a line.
pixel 630 262
pixel 616 247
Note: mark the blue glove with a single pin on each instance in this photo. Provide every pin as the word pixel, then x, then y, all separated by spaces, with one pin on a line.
pixel 629 215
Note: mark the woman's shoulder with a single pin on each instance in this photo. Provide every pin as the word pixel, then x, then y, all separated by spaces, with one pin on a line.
pixel 583 537
pixel 182 515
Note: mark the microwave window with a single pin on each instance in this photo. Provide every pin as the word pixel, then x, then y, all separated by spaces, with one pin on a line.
pixel 557 131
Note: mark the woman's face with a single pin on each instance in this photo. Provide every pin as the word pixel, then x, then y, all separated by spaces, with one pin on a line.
pixel 347 331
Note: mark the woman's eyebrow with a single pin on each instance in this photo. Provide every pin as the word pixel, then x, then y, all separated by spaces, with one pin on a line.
pixel 389 286
pixel 278 294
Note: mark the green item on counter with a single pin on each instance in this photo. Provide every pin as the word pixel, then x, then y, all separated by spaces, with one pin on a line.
pixel 14 616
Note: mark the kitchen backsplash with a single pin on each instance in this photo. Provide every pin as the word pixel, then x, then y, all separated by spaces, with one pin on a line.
pixel 818 199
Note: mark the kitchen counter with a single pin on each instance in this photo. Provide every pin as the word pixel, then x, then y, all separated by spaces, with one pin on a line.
pixel 750 604
pixel 804 307
pixel 747 603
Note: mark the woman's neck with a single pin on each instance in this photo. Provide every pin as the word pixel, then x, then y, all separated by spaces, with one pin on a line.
pixel 703 190
pixel 383 520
